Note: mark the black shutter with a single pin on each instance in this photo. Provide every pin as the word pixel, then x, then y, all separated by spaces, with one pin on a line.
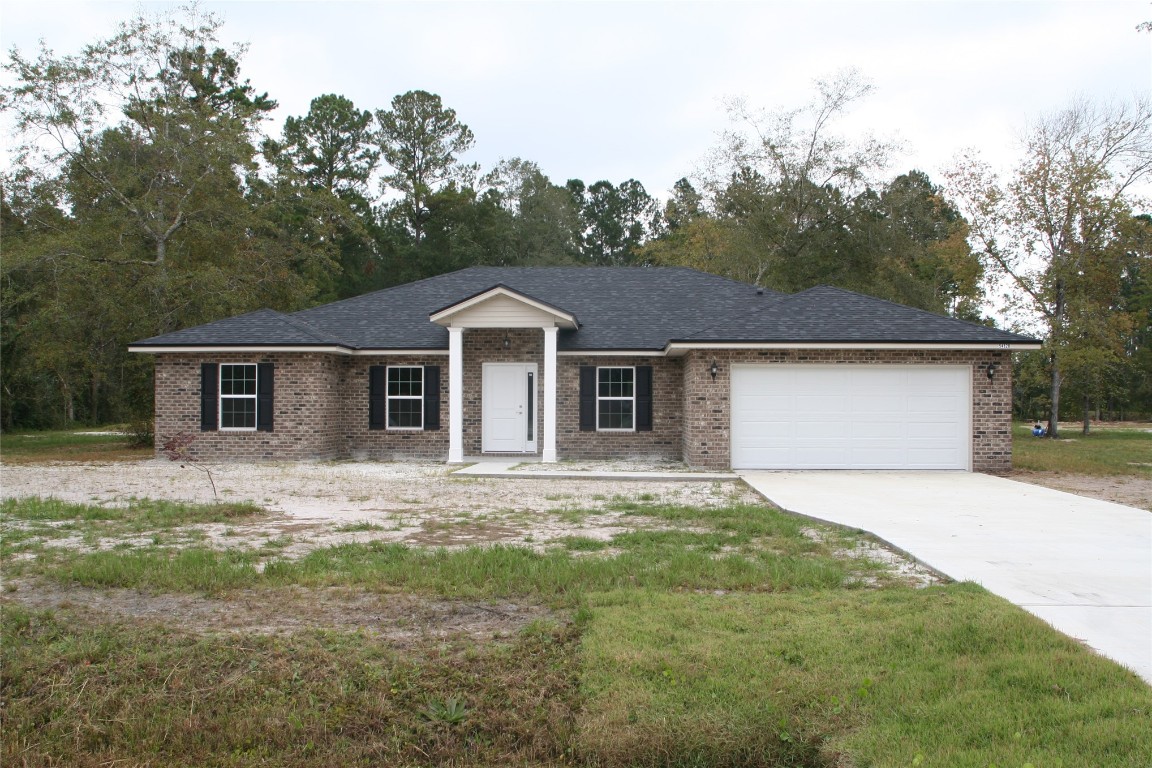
pixel 587 398
pixel 643 398
pixel 377 397
pixel 265 403
pixel 431 397
pixel 209 396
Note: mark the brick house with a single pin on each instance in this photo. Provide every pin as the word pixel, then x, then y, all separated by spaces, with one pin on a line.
pixel 594 363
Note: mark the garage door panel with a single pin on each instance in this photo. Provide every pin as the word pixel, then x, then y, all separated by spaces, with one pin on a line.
pixel 850 417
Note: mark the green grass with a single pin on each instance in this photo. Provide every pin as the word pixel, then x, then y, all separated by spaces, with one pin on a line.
pixel 947 676
pixel 86 695
pixel 724 637
pixel 69 445
pixel 1101 452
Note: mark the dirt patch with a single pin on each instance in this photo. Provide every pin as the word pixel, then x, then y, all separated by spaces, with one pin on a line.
pixel 1121 489
pixel 400 619
pixel 314 505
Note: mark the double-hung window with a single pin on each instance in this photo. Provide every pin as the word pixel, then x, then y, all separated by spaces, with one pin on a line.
pixel 238 396
pixel 616 399
pixel 405 397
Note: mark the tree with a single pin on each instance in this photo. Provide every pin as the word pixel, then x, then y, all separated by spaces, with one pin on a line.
pixel 616 221
pixel 1054 232
pixel 333 147
pixel 324 163
pixel 546 225
pixel 186 123
pixel 421 140
pixel 133 173
pixel 787 175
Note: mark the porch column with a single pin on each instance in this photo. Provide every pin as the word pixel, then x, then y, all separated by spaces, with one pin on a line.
pixel 548 455
pixel 455 395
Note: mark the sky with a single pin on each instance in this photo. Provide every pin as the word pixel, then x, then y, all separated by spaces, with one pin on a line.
pixel 619 90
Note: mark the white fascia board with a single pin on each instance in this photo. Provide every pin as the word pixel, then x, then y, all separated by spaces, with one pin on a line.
pixel 273 349
pixel 612 353
pixel 676 349
pixel 444 316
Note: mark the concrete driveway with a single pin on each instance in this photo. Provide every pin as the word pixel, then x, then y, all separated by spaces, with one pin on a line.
pixel 1082 565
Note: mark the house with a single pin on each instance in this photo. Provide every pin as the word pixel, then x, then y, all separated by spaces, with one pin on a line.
pixel 594 363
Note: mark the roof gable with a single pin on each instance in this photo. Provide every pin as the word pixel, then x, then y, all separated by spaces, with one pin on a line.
pixel 503 307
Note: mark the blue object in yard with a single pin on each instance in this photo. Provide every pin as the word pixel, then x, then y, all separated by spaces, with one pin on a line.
pixel 1038 430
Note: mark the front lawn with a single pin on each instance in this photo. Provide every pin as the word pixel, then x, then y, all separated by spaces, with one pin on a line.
pixel 97 444
pixel 733 638
pixel 1104 451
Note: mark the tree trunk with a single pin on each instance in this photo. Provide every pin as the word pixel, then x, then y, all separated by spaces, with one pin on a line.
pixel 69 405
pixel 95 415
pixel 1054 412
pixel 1087 414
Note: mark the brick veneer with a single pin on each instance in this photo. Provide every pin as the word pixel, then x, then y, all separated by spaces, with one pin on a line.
pixel 389 444
pixel 321 403
pixel 707 403
pixel 664 441
pixel 308 413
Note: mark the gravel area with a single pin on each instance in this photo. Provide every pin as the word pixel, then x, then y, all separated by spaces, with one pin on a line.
pixel 319 504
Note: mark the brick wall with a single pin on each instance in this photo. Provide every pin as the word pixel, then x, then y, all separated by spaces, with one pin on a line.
pixel 664 441
pixel 707 405
pixel 486 345
pixel 307 407
pixel 388 444
pixel 321 403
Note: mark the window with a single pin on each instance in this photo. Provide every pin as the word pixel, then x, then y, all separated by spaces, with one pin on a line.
pixel 405 397
pixel 238 396
pixel 615 399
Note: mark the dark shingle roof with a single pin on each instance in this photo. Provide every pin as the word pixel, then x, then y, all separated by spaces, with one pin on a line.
pixel 627 308
pixel 262 327
pixel 827 314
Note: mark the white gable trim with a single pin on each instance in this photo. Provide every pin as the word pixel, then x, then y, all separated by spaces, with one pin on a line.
pixel 506 309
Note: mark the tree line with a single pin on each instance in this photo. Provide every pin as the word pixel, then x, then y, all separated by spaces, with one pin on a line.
pixel 148 195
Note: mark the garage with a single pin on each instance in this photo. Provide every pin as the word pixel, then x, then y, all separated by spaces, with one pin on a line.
pixel 851 416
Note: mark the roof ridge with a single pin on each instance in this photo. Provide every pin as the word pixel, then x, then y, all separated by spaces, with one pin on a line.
pixel 311 330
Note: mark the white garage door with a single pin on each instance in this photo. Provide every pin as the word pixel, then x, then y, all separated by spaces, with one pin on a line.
pixel 850 417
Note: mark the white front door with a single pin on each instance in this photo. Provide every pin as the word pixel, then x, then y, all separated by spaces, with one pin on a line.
pixel 509 408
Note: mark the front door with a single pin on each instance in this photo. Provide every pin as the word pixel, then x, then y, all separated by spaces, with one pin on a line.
pixel 509 394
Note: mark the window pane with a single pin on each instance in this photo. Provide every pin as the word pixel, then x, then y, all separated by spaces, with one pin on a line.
pixel 405 382
pixel 615 382
pixel 238 379
pixel 237 413
pixel 615 414
pixel 406 413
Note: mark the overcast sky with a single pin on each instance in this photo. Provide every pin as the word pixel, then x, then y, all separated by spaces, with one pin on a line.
pixel 609 90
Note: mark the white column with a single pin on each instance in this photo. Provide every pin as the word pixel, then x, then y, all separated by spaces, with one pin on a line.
pixel 455 395
pixel 548 455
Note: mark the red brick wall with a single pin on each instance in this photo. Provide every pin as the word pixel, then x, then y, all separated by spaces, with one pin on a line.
pixel 664 441
pixel 707 405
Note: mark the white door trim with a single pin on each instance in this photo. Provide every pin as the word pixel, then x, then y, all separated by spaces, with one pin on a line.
pixel 496 400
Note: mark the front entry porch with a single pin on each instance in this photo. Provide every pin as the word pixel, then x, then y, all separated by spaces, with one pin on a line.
pixel 517 380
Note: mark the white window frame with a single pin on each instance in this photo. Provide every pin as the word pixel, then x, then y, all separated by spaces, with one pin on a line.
pixel 389 397
pixel 221 397
pixel 631 399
